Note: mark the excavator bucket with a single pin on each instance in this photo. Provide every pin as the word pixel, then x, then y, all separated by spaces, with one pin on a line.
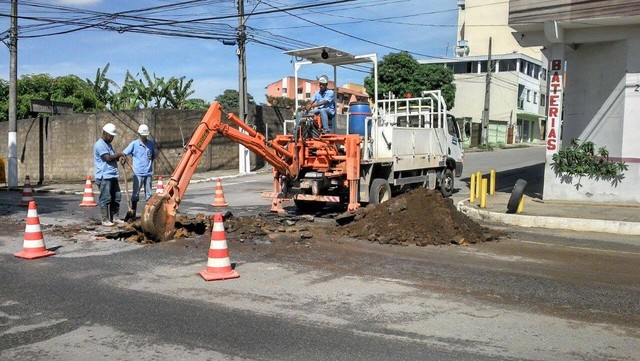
pixel 159 218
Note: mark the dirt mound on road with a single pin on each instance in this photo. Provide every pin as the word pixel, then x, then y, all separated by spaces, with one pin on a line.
pixel 421 217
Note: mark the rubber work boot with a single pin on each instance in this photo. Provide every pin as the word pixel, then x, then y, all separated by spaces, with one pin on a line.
pixel 134 207
pixel 105 217
pixel 114 216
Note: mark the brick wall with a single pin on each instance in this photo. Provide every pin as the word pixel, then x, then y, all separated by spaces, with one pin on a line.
pixel 60 148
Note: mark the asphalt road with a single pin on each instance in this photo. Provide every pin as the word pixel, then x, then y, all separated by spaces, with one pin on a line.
pixel 533 295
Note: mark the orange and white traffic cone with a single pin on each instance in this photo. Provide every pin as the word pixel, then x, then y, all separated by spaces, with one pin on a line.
pixel 218 199
pixel 159 186
pixel 218 263
pixel 87 196
pixel 27 192
pixel 33 240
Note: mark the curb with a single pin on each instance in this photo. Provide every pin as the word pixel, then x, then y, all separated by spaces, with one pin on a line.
pixel 571 224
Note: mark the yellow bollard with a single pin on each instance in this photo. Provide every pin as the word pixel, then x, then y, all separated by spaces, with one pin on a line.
pixel 478 184
pixel 483 196
pixel 520 205
pixel 472 188
pixel 492 182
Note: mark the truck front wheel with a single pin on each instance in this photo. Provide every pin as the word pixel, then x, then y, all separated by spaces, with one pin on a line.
pixel 446 183
pixel 380 191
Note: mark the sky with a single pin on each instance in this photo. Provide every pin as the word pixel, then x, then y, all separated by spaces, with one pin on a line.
pixel 185 38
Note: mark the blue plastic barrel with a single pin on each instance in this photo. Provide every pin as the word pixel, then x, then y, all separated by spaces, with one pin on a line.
pixel 358 112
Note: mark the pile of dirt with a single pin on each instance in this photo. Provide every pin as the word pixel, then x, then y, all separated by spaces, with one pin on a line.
pixel 421 217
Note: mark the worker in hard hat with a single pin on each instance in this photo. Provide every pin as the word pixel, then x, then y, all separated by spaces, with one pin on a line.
pixel 143 153
pixel 324 103
pixel 105 161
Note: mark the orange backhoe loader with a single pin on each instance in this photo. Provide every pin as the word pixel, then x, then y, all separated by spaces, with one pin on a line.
pixel 309 167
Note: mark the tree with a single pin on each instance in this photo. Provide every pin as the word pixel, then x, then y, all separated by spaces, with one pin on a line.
pixel 230 100
pixel 400 74
pixel 89 96
pixel 434 77
pixel 195 104
pixel 281 102
pixel 72 89
pixel 4 100
pixel 179 92
pixel 101 86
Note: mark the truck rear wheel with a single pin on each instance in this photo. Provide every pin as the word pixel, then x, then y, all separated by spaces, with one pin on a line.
pixel 380 191
pixel 446 183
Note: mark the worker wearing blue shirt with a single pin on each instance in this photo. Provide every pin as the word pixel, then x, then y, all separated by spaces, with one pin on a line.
pixel 143 152
pixel 323 101
pixel 105 161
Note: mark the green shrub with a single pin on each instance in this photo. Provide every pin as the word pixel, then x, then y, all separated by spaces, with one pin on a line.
pixel 582 160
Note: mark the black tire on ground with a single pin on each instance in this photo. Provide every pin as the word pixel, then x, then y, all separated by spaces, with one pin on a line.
pixel 446 183
pixel 516 195
pixel 379 191
pixel 308 206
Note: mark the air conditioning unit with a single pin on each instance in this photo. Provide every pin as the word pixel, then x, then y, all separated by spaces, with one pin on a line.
pixel 463 48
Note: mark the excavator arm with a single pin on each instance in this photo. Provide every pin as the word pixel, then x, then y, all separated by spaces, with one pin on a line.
pixel 158 217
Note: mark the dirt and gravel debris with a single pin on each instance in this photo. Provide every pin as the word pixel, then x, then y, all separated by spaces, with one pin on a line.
pixel 420 217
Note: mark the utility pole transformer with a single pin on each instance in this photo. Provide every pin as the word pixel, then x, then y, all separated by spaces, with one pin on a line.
pixel 487 101
pixel 13 98
pixel 243 104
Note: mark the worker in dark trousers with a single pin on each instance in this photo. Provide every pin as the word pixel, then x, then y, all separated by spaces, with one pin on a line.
pixel 105 160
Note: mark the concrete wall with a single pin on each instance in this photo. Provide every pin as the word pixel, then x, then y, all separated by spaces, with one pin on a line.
pixel 60 148
pixel 601 105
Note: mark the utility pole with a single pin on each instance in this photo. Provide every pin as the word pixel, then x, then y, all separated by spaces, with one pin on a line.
pixel 243 104
pixel 242 64
pixel 13 97
pixel 487 101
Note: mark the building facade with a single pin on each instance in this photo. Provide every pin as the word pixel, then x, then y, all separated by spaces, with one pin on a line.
pixel 517 83
pixel 593 49
pixel 516 93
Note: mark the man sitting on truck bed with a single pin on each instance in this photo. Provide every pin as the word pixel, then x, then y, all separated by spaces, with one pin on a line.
pixel 323 100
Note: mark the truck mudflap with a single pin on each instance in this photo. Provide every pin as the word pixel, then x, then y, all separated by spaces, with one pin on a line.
pixel 302 197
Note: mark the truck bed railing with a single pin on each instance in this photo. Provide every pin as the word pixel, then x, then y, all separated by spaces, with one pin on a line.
pixel 427 111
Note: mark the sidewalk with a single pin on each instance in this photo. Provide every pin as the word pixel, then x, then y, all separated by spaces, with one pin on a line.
pixel 573 216
pixel 584 217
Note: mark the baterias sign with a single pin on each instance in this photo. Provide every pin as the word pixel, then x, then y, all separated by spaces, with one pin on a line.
pixel 554 119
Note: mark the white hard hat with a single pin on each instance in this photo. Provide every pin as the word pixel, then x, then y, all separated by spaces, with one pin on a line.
pixel 109 128
pixel 143 129
pixel 323 79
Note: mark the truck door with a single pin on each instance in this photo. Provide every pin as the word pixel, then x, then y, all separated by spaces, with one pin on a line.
pixel 454 143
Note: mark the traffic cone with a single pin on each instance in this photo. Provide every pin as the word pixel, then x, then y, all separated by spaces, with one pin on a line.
pixel 33 240
pixel 160 186
pixel 218 200
pixel 218 263
pixel 27 192
pixel 87 196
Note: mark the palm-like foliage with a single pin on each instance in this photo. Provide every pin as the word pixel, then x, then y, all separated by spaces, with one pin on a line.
pixel 102 92
pixel 179 92
pixel 101 85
